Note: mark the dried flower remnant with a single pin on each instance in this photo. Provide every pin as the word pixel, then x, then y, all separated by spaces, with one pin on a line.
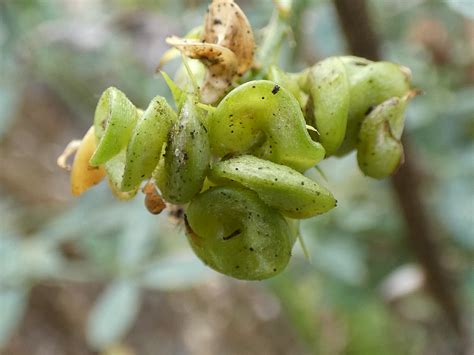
pixel 226 48
pixel 68 152
pixel 83 175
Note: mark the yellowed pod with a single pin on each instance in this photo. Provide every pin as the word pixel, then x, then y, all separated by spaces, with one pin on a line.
pixel 83 175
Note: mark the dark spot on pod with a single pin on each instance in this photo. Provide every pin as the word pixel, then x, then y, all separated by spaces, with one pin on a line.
pixel 251 249
pixel 275 89
pixel 233 234
pixel 274 270
pixel 369 110
pixel 217 22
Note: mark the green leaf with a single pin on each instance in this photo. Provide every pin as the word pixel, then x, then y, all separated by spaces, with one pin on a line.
pixel 113 314
pixel 175 272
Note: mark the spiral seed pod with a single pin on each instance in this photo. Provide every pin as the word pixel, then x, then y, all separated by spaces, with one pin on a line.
pixel 329 102
pixel 234 232
pixel 264 120
pixel 115 117
pixel 370 85
pixel 83 175
pixel 279 186
pixel 146 143
pixel 379 150
pixel 181 174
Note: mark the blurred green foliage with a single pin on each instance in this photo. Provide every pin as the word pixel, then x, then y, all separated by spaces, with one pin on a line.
pixel 78 48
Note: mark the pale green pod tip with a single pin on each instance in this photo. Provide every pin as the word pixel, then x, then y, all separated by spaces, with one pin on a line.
pixel 114 119
pixel 180 175
pixel 379 150
pixel 279 186
pixel 231 230
pixel 263 119
pixel 146 142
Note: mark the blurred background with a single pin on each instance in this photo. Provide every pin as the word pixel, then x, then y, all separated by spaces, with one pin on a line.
pixel 93 275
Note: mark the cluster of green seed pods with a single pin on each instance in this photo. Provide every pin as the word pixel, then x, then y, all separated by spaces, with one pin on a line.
pixel 237 168
pixel 338 95
pixel 234 159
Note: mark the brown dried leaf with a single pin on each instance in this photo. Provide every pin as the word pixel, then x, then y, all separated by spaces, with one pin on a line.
pixel 226 48
pixel 227 26
pixel 221 65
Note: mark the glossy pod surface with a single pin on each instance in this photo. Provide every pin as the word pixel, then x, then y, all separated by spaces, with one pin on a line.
pixel 329 98
pixel 234 232
pixel 265 120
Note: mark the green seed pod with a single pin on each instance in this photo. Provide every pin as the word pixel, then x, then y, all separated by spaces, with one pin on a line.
pixel 370 85
pixel 235 233
pixel 379 150
pixel 146 143
pixel 264 120
pixel 354 64
pixel 329 102
pixel 115 117
pixel 287 80
pixel 279 186
pixel 181 174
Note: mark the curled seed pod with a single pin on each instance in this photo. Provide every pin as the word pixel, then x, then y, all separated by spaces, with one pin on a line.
pixel 146 143
pixel 115 117
pixel 370 85
pixel 83 175
pixel 279 186
pixel 181 173
pixel 264 120
pixel 287 80
pixel 329 102
pixel 234 232
pixel 379 150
